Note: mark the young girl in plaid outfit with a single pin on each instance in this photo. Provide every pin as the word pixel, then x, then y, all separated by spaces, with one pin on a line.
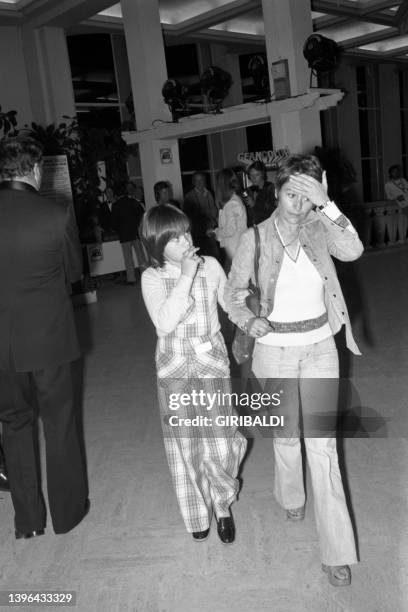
pixel 181 291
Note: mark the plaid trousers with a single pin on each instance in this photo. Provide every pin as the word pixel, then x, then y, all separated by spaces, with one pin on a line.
pixel 203 460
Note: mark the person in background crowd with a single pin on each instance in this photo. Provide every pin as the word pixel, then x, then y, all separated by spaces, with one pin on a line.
pixel 232 218
pixel 396 188
pixel 200 208
pixel 127 213
pixel 39 257
pixel 4 482
pixel 260 196
pixel 302 307
pixel 163 193
pixel 181 291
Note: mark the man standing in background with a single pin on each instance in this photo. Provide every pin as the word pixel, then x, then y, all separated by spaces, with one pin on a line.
pixel 40 257
pixel 200 207
pixel 127 213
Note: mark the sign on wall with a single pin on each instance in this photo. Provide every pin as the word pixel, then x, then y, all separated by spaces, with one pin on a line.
pixel 56 182
pixel 270 158
pixel 166 156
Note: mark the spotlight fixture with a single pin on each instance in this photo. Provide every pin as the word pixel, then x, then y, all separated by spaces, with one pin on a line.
pixel 175 95
pixel 321 53
pixel 215 84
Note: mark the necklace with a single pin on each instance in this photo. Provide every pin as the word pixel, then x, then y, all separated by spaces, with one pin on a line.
pixel 289 243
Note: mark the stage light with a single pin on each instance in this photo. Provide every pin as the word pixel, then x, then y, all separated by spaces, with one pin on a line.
pixel 321 53
pixel 215 84
pixel 175 95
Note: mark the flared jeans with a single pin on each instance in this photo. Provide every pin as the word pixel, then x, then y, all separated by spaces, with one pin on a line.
pixel 307 378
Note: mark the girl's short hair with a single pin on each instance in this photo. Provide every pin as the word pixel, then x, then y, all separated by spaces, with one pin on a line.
pixel 159 225
pixel 298 164
pixel 227 184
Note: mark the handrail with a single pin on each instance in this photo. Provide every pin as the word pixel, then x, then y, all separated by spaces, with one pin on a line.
pixel 380 224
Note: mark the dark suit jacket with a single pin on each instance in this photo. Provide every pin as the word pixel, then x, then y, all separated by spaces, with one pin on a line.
pixel 126 216
pixel 39 256
pixel 202 218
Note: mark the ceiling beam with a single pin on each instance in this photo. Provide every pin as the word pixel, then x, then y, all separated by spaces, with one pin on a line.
pixel 216 16
pixel 217 36
pixel 401 18
pixel 367 39
pixel 373 56
pixel 64 13
pixel 329 21
pixel 377 5
pixel 9 18
pixel 349 10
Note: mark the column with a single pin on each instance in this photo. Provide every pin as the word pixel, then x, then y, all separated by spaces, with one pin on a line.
pixel 147 65
pixel 15 92
pixel 390 116
pixel 49 74
pixel 288 23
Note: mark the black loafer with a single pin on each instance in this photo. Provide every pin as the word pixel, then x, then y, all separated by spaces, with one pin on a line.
pixel 29 534
pixel 200 536
pixel 4 481
pixel 226 529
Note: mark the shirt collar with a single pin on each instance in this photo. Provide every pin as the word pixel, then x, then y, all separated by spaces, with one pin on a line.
pixel 17 186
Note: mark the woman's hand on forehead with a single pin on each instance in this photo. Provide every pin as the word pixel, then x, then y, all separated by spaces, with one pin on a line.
pixel 309 187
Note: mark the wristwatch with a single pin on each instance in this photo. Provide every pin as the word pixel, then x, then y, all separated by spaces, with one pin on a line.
pixel 322 206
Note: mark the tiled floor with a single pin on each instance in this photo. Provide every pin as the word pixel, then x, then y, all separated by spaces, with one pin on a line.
pixel 132 553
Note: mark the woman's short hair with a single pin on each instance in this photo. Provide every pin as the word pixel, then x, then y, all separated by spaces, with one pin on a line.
pixel 159 225
pixel 227 184
pixel 298 164
pixel 18 156
pixel 258 166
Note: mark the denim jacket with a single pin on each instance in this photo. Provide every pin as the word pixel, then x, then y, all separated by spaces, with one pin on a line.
pixel 320 238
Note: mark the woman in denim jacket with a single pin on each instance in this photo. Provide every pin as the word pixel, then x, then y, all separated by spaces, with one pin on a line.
pixel 302 307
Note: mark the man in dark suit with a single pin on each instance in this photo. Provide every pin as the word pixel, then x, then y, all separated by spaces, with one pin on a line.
pixel 39 258
pixel 127 213
pixel 200 207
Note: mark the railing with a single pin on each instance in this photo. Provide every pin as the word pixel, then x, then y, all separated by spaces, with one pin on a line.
pixel 379 224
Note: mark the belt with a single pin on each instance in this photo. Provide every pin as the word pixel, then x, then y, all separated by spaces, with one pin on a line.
pixel 279 327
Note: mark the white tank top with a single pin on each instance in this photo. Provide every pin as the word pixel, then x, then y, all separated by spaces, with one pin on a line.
pixel 299 295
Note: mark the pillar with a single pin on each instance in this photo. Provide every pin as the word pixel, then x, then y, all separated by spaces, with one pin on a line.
pixel 391 128
pixel 15 94
pixel 49 74
pixel 288 23
pixel 147 65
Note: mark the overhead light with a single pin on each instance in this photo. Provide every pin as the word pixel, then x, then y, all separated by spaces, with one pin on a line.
pixel 321 53
pixel 175 96
pixel 215 84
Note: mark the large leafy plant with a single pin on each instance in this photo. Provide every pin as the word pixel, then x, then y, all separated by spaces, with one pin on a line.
pixel 8 123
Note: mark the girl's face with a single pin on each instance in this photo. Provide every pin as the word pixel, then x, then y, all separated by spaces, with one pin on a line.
pixel 176 248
